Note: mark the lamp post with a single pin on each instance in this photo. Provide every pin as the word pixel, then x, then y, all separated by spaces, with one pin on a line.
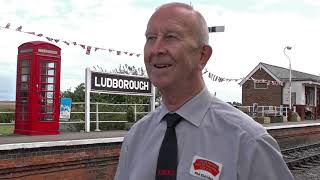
pixel 284 51
pixel 216 29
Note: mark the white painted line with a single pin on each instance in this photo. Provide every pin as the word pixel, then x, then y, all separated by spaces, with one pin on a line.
pixel 291 126
pixel 59 143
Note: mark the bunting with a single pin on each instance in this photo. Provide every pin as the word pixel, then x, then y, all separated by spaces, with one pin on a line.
pixel 19 28
pixel 87 48
pixel 268 82
pixel 7 26
pixel 214 77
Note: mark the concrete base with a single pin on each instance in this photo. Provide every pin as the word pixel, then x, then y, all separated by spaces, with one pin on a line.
pixel 278 119
pixel 295 117
pixel 262 120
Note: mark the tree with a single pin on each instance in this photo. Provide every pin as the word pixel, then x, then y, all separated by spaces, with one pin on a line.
pixel 78 95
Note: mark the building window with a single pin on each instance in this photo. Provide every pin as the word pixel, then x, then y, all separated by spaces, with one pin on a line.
pixel 310 96
pixel 258 85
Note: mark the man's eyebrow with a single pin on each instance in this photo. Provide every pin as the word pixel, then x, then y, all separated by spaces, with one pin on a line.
pixel 148 32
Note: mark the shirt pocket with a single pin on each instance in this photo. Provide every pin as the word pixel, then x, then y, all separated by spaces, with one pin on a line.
pixel 188 176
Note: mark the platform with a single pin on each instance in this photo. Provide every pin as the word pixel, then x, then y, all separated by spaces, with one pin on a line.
pixel 286 125
pixel 80 138
pixel 63 139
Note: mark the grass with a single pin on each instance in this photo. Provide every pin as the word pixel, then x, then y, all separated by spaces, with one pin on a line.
pixel 6 129
pixel 7 105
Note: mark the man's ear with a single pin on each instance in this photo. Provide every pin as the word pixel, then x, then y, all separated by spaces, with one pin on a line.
pixel 206 52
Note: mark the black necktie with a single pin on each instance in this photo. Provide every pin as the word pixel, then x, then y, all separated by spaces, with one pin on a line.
pixel 168 154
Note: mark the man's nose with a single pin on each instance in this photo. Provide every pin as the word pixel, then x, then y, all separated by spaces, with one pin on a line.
pixel 159 46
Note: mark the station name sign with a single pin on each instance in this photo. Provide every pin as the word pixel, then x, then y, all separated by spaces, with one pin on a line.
pixel 120 84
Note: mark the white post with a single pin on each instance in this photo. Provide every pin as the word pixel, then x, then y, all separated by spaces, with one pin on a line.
pixel 97 117
pixel 315 96
pixel 152 98
pixel 87 99
pixel 135 113
pixel 290 88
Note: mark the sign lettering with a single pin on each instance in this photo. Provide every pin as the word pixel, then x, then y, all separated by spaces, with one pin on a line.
pixel 26 51
pixel 122 84
pixel 47 51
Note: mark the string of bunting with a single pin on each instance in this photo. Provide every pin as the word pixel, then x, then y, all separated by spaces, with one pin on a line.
pixel 268 82
pixel 87 48
pixel 214 77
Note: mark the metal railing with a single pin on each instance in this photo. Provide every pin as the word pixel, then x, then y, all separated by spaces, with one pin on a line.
pixel 259 111
pixel 96 110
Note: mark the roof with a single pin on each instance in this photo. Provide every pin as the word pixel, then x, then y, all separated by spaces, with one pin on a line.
pixel 38 43
pixel 282 74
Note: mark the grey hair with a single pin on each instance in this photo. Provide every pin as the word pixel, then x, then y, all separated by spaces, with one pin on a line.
pixel 203 36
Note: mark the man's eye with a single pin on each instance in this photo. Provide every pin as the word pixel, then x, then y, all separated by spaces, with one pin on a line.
pixel 171 36
pixel 150 38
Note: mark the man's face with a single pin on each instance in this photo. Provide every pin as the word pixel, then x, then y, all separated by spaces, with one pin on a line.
pixel 171 53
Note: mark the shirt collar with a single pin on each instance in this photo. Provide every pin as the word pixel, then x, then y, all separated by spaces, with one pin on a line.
pixel 193 110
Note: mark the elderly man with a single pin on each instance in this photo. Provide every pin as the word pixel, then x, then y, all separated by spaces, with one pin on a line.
pixel 193 135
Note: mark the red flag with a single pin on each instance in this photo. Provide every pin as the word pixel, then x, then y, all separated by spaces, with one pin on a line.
pixel 40 35
pixel 19 28
pixel 88 50
pixel 8 26
pixel 83 46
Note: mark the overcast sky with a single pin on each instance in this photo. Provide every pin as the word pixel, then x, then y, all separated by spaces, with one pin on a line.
pixel 255 31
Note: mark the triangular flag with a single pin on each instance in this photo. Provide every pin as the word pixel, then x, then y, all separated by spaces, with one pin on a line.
pixel 67 43
pixel 40 35
pixel 96 48
pixel 138 55
pixel 19 28
pixel 118 52
pixel 74 43
pixel 83 46
pixel 130 54
pixel 49 39
pixel 56 40
pixel 8 26
pixel 110 50
pixel 33 33
pixel 88 50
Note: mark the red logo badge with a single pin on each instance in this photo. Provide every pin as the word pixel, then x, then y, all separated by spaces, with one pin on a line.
pixel 205 165
pixel 205 168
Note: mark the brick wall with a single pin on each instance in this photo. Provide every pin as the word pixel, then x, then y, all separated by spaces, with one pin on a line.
pixel 77 162
pixel 294 136
pixel 272 96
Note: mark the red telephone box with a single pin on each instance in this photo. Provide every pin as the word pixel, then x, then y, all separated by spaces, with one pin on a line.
pixel 38 89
